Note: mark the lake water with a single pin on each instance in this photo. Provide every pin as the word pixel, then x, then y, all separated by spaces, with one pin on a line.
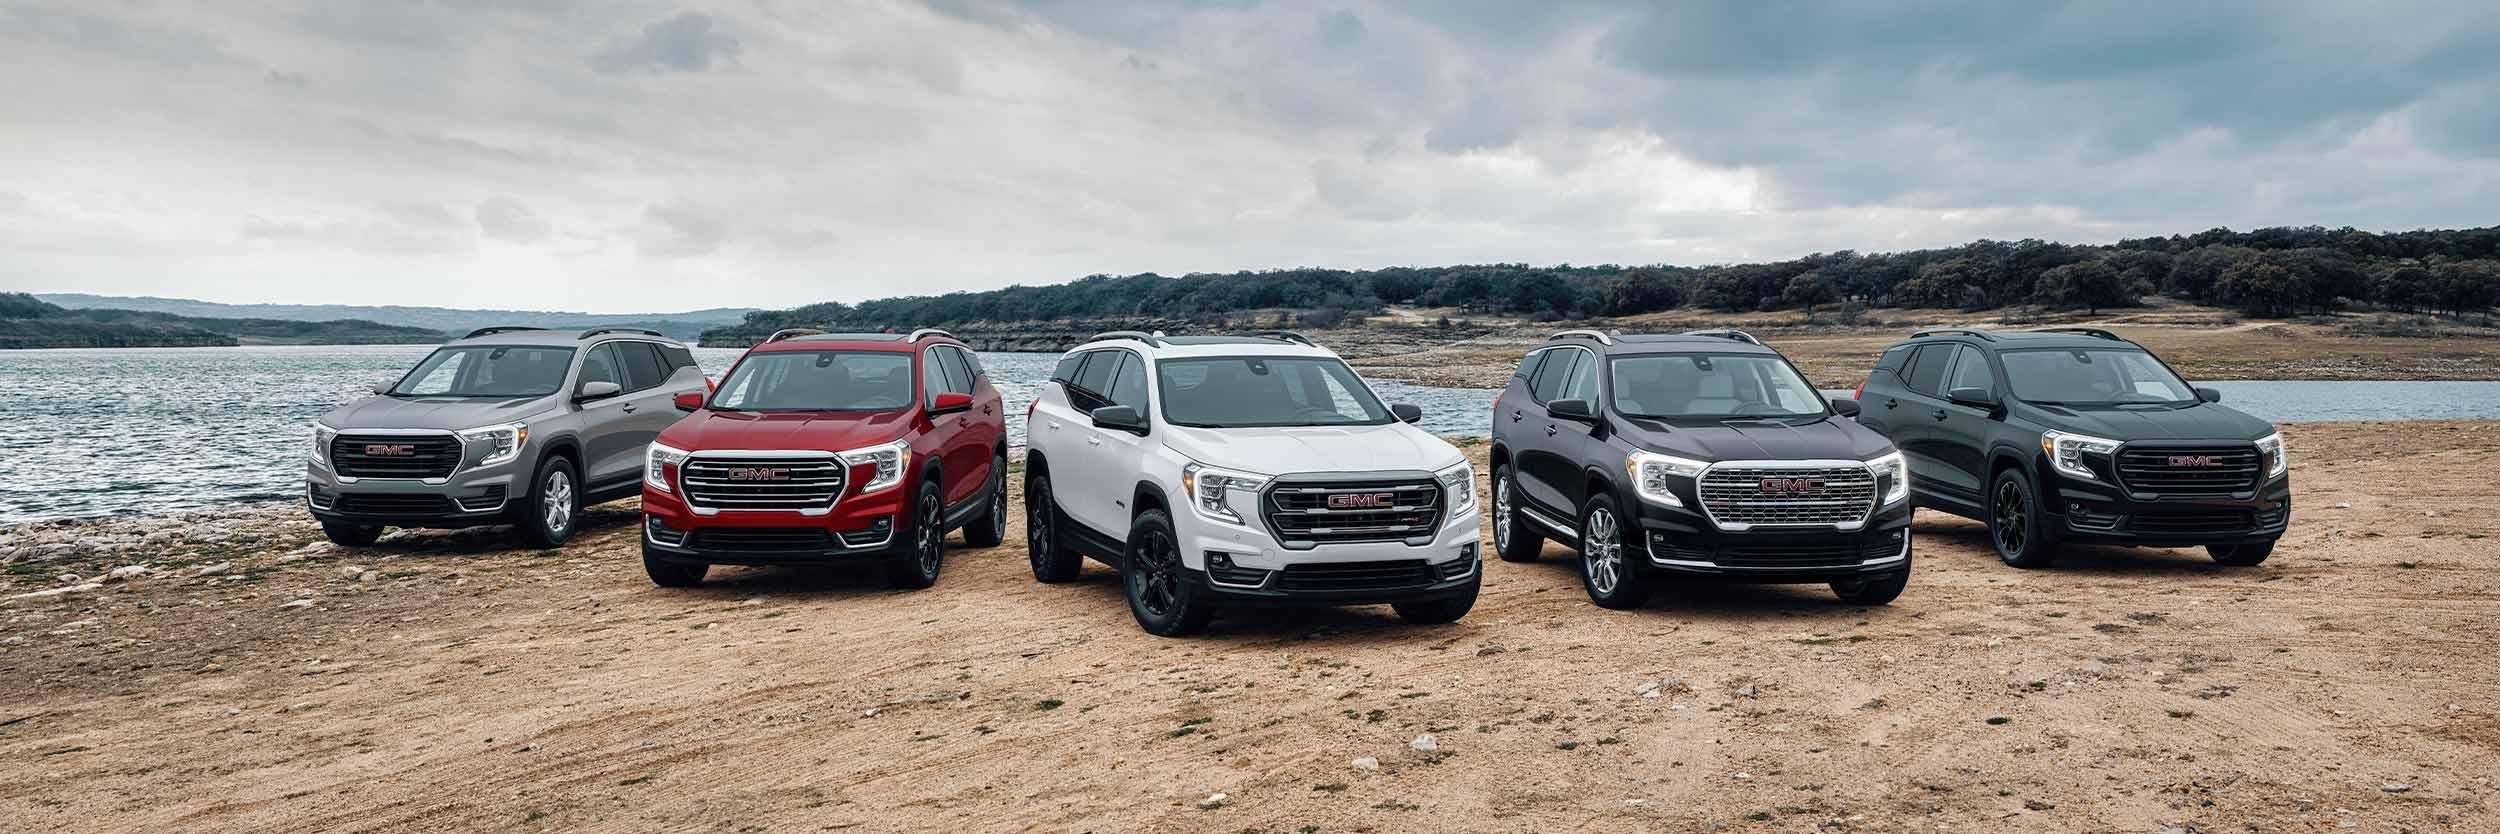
pixel 106 432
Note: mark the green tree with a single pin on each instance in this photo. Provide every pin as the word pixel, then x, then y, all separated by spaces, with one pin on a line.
pixel 2259 287
pixel 1808 289
pixel 2090 285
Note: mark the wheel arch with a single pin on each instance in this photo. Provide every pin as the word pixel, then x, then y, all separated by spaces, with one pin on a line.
pixel 1148 495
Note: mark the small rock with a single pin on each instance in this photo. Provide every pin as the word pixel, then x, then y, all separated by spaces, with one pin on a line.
pixel 299 603
pixel 2037 805
pixel 2343 505
pixel 213 570
pixel 125 572
pixel 2396 787
pixel 61 591
pixel 1213 801
pixel 752 601
pixel 368 576
pixel 1746 691
pixel 1366 763
pixel 1424 744
pixel 351 571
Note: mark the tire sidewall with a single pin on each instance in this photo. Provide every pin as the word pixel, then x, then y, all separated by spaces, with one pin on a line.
pixel 2036 546
pixel 1627 592
pixel 924 538
pixel 1183 616
pixel 535 520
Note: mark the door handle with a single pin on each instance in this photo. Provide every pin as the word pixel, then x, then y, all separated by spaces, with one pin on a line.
pixel 1515 414
pixel 629 408
pixel 1054 425
pixel 1939 414
pixel 1551 431
pixel 963 421
pixel 1891 403
pixel 1093 441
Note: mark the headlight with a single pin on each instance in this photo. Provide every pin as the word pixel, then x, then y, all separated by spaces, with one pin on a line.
pixel 321 437
pixel 659 467
pixel 890 459
pixel 2066 451
pixel 1460 482
pixel 502 442
pixel 1652 474
pixel 2271 446
pixel 1210 490
pixel 1897 468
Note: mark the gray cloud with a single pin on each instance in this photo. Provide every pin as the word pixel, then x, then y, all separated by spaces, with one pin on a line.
pixel 505 219
pixel 680 231
pixel 685 43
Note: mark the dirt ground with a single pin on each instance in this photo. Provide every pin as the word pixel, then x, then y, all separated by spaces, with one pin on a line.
pixel 446 683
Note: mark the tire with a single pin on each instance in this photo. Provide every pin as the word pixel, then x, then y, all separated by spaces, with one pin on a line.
pixel 554 507
pixel 2014 527
pixel 2241 555
pixel 351 535
pixel 1513 539
pixel 1159 592
pixel 672 574
pixel 1606 569
pixel 1051 562
pixel 917 566
pixel 1880 590
pixel 1444 610
pixel 990 527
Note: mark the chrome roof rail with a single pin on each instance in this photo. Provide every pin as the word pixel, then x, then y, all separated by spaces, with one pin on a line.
pixel 1596 335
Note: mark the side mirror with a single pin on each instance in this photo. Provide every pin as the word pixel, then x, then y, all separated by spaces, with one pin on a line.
pixel 690 401
pixel 1845 408
pixel 2211 395
pixel 949 403
pixel 1121 418
pixel 381 388
pixel 599 390
pixel 1407 413
pixel 1974 397
pixel 1570 410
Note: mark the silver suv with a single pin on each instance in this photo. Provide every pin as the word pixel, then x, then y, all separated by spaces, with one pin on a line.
pixel 507 425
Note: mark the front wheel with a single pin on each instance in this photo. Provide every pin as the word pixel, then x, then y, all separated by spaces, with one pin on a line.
pixel 351 535
pixel 2015 524
pixel 918 567
pixel 555 505
pixel 1604 569
pixel 1513 539
pixel 1051 562
pixel 1158 588
pixel 2245 555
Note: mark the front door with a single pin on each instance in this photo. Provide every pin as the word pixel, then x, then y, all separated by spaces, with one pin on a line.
pixel 1959 440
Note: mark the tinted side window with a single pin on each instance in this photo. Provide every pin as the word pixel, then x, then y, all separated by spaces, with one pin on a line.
pixel 1129 386
pixel 1583 384
pixel 1550 376
pixel 1066 372
pixel 1971 371
pixel 677 356
pixel 932 375
pixel 599 366
pixel 1095 377
pixel 972 362
pixel 1527 367
pixel 958 376
pixel 1894 358
pixel 643 369
pixel 1927 368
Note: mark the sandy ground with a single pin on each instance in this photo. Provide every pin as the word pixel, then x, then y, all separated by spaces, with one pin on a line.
pixel 450 684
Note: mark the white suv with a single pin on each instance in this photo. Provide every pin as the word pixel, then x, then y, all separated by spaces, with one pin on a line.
pixel 1219 471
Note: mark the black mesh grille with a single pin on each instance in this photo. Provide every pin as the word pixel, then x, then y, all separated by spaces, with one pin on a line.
pixel 395 455
pixel 1769 496
pixel 762 483
pixel 2199 470
pixel 1352 511
pixel 763 539
pixel 392 503
pixel 2192 522
pixel 1356 576
pixel 1841 552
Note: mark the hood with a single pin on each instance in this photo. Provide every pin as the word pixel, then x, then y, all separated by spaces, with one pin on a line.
pixel 2203 421
pixel 1832 438
pixel 825 431
pixel 1300 449
pixel 449 413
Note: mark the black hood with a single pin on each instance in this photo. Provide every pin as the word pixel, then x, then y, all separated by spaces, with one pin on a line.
pixel 1830 438
pixel 2203 421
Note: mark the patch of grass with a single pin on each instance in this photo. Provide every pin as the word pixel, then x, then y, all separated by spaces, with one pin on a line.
pixel 1568 745
pixel 1610 740
pixel 1050 704
pixel 1999 720
pixel 1758 816
pixel 1814 641
pixel 1331 787
pixel 534 816
pixel 2181 713
pixel 638 780
pixel 1376 716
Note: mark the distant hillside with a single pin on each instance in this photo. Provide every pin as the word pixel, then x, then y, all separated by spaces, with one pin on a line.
pixel 27 322
pixel 442 320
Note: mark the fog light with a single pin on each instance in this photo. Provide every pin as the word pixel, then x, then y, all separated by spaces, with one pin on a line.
pixel 1219 560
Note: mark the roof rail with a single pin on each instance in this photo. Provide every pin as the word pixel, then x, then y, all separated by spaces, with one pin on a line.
pixel 1286 336
pixel 2093 332
pixel 790 332
pixel 1599 336
pixel 595 331
pixel 504 328
pixel 1982 335
pixel 1728 333
pixel 1155 338
pixel 925 332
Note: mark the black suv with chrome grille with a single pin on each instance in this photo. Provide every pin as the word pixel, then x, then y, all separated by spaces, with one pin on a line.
pixel 1701 456
pixel 2076 434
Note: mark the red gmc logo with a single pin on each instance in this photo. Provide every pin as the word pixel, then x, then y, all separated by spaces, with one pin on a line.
pixel 1791 486
pixel 2194 460
pixel 1362 501
pixel 390 449
pixel 758 474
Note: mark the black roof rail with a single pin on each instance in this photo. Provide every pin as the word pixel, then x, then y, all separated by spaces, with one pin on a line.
pixel 2093 332
pixel 597 331
pixel 791 332
pixel 1728 333
pixel 1598 336
pixel 926 332
pixel 1154 338
pixel 1982 335
pixel 1286 336
pixel 501 328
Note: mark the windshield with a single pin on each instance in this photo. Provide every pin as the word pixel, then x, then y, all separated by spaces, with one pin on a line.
pixel 817 380
pixel 487 371
pixel 2093 376
pixel 1712 385
pixel 1253 391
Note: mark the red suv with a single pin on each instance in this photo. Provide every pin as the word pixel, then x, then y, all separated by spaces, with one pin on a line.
pixel 825 447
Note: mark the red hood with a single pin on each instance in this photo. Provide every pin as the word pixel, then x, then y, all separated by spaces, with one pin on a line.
pixel 829 431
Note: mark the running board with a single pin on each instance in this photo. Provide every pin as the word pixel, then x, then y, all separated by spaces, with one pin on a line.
pixel 1548 523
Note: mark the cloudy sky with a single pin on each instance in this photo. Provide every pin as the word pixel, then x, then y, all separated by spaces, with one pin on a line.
pixel 616 156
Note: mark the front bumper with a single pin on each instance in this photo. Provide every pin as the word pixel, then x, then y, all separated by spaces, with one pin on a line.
pixel 1681 542
pixel 467 498
pixel 2100 513
pixel 1244 565
pixel 860 527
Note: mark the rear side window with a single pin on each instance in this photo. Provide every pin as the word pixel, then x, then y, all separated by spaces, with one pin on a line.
pixel 1552 374
pixel 1095 377
pixel 1066 372
pixel 1927 368
pixel 677 356
pixel 643 370
pixel 1894 358
pixel 1527 367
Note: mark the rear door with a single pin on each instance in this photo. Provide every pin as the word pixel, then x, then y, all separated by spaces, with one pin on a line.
pixel 1081 470
pixel 606 439
pixel 965 448
pixel 1916 410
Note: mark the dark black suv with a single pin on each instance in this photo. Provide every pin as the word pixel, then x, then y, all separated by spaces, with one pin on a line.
pixel 1700 456
pixel 2075 434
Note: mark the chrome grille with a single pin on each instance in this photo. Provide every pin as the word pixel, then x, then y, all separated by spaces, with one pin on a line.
pixel 414 456
pixel 1741 495
pixel 2189 470
pixel 769 484
pixel 1309 513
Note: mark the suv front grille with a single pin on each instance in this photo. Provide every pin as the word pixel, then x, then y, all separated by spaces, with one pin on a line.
pixel 392 503
pixel 2193 522
pixel 418 456
pixel 1775 496
pixel 783 484
pixel 1356 576
pixel 1311 513
pixel 763 539
pixel 2198 470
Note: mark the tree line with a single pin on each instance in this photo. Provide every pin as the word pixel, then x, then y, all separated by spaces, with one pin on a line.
pixel 2272 272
